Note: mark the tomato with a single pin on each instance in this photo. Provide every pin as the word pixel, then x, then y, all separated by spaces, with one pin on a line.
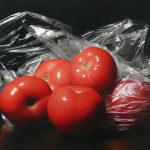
pixel 76 110
pixel 128 105
pixel 55 72
pixel 23 101
pixel 94 67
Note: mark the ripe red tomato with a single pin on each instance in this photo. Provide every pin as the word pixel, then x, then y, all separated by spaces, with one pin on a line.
pixel 94 67
pixel 128 106
pixel 76 110
pixel 23 101
pixel 55 72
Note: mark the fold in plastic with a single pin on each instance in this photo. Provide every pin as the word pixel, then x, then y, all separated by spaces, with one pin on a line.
pixel 27 39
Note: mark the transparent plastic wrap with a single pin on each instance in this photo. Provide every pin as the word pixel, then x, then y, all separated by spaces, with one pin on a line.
pixel 27 39
pixel 128 103
pixel 125 38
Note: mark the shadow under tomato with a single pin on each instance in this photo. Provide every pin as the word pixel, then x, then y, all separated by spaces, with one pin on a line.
pixel 44 127
pixel 99 134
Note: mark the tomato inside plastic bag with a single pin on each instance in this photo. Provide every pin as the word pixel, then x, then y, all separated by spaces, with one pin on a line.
pixel 128 103
pixel 27 39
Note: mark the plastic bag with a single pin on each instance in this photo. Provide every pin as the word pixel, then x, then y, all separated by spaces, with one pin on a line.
pixel 27 39
pixel 128 104
pixel 125 38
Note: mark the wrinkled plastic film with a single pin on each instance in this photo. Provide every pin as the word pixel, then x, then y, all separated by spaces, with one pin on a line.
pixel 128 104
pixel 27 39
pixel 126 39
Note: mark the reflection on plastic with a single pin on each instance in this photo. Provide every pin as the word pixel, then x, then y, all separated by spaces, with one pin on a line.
pixel 128 105
pixel 27 39
pixel 126 39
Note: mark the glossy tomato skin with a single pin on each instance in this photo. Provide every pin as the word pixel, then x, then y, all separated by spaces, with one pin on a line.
pixel 76 110
pixel 55 72
pixel 23 101
pixel 94 67
pixel 128 105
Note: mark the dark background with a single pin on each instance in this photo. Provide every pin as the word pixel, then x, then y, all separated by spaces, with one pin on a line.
pixel 83 15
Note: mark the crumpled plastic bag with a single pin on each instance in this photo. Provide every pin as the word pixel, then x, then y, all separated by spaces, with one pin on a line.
pixel 27 39
pixel 125 38
pixel 128 104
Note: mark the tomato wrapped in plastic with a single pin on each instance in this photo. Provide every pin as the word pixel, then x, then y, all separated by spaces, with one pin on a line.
pixel 128 105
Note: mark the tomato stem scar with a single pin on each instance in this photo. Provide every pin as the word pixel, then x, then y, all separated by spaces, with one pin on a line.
pixel 45 77
pixel 86 65
pixel 78 92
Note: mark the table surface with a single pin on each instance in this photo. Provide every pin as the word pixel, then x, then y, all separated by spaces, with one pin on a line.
pixel 49 138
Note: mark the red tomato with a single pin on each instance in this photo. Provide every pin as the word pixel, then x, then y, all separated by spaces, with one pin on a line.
pixel 94 67
pixel 55 72
pixel 76 110
pixel 128 106
pixel 24 101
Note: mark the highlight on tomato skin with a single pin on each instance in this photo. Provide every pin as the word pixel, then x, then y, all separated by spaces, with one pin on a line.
pixel 94 67
pixel 23 101
pixel 76 110
pixel 56 72
pixel 128 105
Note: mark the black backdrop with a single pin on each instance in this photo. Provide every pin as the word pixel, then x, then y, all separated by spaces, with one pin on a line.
pixel 83 15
